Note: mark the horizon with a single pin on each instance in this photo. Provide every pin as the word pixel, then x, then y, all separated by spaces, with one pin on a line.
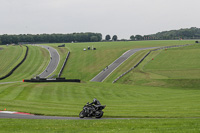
pixel 103 36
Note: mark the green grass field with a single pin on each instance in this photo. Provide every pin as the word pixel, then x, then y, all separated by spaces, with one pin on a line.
pixel 85 65
pixel 176 63
pixel 67 99
pixel 165 89
pixel 94 126
pixel 171 67
pixel 36 62
pixel 10 57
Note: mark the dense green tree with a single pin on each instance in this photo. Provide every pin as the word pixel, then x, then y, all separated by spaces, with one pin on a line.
pixel 50 38
pixel 114 38
pixel 139 37
pixel 93 38
pixel 108 37
pixel 188 33
pixel 132 37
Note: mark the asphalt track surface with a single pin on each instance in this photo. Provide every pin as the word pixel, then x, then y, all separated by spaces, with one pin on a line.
pixel 23 116
pixel 54 61
pixel 108 70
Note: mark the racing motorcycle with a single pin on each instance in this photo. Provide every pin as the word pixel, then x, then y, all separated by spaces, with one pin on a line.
pixel 90 110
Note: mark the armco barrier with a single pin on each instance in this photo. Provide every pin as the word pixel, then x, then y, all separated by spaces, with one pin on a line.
pixel 52 80
pixel 145 57
pixel 61 70
pixel 16 66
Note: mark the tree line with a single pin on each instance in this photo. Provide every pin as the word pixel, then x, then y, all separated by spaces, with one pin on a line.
pixel 50 38
pixel 187 33
pixel 114 38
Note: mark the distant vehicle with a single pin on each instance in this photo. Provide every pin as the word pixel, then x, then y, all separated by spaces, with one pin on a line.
pixel 63 45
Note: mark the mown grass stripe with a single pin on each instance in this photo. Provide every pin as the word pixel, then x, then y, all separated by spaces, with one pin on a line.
pixel 4 87
pixel 13 94
pixel 24 94
pixel 7 91
pixel 10 55
pixel 15 66
pixel 36 93
pixel 31 66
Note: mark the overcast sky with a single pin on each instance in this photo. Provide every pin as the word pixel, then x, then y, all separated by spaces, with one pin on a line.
pixel 121 17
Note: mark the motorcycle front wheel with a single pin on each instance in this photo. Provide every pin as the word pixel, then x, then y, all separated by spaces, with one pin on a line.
pixel 99 114
pixel 82 114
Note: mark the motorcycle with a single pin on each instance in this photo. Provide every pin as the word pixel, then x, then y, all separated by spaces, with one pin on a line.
pixel 92 111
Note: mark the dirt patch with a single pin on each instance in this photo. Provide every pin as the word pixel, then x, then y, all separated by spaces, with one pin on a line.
pixel 1 48
pixel 44 52
pixel 62 50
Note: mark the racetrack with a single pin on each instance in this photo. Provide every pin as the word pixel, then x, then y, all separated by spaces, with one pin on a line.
pixel 107 71
pixel 17 116
pixel 25 116
pixel 54 61
pixel 30 116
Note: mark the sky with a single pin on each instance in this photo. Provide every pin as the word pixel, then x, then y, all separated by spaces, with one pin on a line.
pixel 114 17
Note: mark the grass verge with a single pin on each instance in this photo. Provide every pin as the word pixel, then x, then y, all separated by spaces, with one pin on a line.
pixel 130 125
pixel 67 99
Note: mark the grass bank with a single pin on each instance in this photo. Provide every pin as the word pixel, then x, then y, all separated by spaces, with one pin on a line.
pixel 10 56
pixel 164 67
pixel 113 126
pixel 85 65
pixel 67 99
pixel 35 63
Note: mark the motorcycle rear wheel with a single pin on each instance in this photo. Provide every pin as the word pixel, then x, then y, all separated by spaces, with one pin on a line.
pixel 82 114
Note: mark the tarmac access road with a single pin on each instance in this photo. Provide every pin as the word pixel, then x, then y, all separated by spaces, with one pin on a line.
pixel 24 116
pixel 107 71
pixel 54 61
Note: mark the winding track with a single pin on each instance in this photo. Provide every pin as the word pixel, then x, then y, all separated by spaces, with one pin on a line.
pixel 54 61
pixel 99 78
pixel 107 71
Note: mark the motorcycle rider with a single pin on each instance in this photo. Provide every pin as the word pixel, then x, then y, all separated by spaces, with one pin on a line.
pixel 95 102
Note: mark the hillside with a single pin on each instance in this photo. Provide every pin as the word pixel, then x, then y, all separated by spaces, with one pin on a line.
pixel 161 94
pixel 85 65
pixel 172 67
pixel 10 57
pixel 36 62
pixel 188 33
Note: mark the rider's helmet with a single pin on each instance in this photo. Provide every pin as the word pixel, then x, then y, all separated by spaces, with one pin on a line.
pixel 94 100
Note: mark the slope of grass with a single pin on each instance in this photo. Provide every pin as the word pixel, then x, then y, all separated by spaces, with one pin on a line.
pixel 169 66
pixel 36 62
pixel 176 97
pixel 177 63
pixel 113 126
pixel 10 56
pixel 67 99
pixel 85 65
